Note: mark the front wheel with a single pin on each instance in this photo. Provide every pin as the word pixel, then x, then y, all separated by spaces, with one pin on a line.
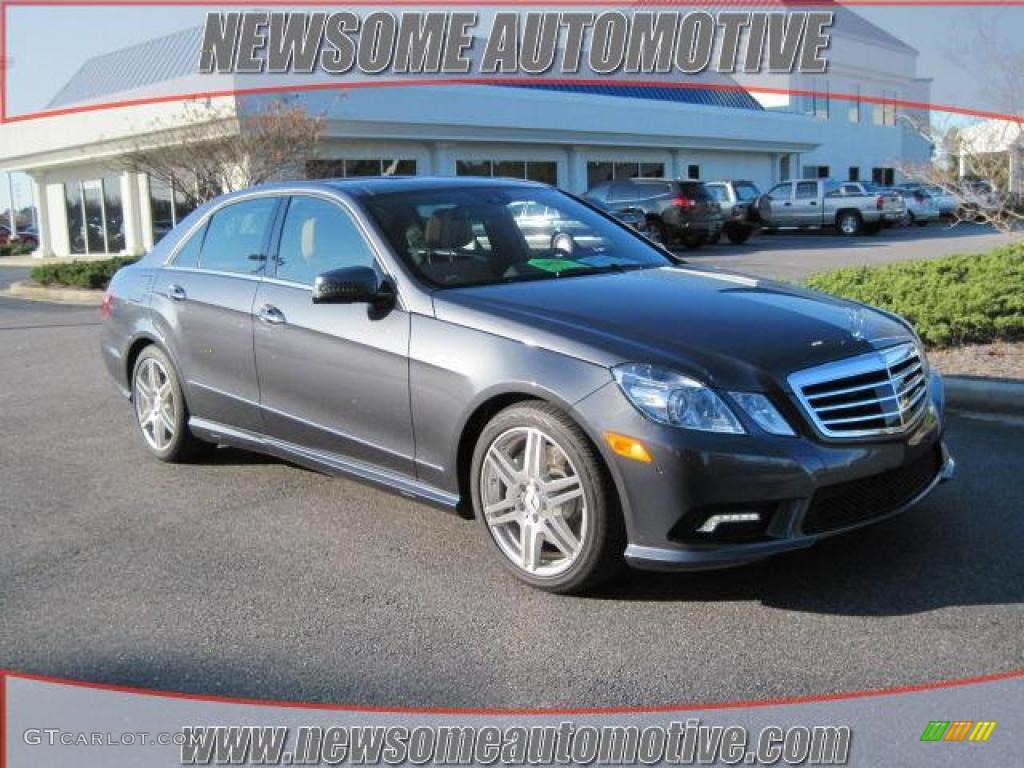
pixel 160 409
pixel 544 498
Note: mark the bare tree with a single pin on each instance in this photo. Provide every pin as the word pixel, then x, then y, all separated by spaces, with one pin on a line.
pixel 209 148
pixel 980 165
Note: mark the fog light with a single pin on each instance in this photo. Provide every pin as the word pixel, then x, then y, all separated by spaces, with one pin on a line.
pixel 628 447
pixel 712 523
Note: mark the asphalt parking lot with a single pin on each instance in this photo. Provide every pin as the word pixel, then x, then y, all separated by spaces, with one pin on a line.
pixel 246 576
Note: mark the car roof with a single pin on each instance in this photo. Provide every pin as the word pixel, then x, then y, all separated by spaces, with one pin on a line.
pixel 376 185
pixel 368 186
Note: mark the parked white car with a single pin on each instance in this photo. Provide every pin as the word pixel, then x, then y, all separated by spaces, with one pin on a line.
pixel 919 207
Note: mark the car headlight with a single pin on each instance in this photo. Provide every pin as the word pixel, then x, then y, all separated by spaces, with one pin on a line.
pixel 765 415
pixel 671 398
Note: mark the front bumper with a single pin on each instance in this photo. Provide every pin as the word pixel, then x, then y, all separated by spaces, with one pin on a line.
pixel 804 489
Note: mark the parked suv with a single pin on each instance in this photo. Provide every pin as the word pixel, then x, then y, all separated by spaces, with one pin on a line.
pixel 814 204
pixel 676 211
pixel 589 399
pixel 738 200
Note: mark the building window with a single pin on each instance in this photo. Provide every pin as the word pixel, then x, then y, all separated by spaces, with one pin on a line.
pixel 816 171
pixel 784 168
pixel 817 100
pixel 94 216
pixel 543 171
pixel 693 172
pixel 885 177
pixel 854 173
pixel 600 171
pixel 885 110
pixel 340 169
pixel 168 204
pixel 853 111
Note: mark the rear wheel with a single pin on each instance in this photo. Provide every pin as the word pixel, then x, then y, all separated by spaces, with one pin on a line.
pixel 160 409
pixel 657 232
pixel 693 242
pixel 544 498
pixel 738 235
pixel 849 223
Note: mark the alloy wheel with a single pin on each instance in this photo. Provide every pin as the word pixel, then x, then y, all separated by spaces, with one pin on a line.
pixel 534 502
pixel 155 406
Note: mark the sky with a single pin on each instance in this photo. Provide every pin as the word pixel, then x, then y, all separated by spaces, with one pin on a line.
pixel 74 34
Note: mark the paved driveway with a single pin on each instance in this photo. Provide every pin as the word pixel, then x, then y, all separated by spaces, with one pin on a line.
pixel 795 256
pixel 247 576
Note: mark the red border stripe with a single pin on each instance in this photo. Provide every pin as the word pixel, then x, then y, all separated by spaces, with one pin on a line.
pixel 786 701
pixel 296 88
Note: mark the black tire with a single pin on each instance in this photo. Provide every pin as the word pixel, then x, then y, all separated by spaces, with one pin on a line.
pixel 183 446
pixel 601 545
pixel 694 242
pixel 660 232
pixel 738 235
pixel 849 223
pixel 921 223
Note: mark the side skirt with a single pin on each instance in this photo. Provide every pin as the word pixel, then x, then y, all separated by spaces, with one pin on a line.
pixel 328 463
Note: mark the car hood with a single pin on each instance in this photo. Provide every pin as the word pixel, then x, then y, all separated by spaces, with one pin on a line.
pixel 729 330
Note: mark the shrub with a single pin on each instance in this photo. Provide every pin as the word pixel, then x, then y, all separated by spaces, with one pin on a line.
pixel 951 301
pixel 81 274
pixel 16 248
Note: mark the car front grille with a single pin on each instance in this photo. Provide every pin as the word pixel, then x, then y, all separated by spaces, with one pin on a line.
pixel 845 504
pixel 879 393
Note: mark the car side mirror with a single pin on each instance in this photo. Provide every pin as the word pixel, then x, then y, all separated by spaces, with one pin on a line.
pixel 351 285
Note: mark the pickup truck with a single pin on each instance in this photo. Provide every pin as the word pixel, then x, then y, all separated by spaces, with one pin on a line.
pixel 819 203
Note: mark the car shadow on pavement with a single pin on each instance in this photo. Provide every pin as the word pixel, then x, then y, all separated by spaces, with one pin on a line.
pixel 920 561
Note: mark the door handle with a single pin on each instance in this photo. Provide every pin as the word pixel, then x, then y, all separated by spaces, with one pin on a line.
pixel 271 315
pixel 176 293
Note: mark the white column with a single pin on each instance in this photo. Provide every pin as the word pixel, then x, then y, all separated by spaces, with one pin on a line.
pixel 441 159
pixel 576 180
pixel 43 220
pixel 145 211
pixel 130 214
pixel 678 169
pixel 1014 186
pixel 11 208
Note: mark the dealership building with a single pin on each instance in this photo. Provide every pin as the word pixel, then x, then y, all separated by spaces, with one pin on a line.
pixel 845 124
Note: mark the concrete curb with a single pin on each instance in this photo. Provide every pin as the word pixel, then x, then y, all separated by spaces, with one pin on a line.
pixel 976 393
pixel 26 289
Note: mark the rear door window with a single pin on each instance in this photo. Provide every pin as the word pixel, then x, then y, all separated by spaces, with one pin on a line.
pixel 806 190
pixel 695 191
pixel 236 237
pixel 188 254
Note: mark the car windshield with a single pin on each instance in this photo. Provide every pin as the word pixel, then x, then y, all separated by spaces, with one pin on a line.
pixel 457 237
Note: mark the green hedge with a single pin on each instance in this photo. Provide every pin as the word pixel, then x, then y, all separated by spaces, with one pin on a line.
pixel 81 274
pixel 16 248
pixel 953 300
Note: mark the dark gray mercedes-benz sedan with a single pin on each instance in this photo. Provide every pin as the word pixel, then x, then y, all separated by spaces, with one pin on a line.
pixel 502 347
